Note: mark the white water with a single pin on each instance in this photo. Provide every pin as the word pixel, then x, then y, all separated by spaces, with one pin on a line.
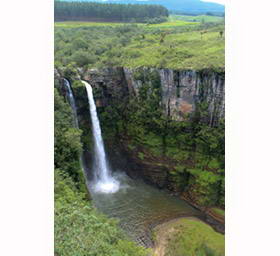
pixel 71 101
pixel 104 182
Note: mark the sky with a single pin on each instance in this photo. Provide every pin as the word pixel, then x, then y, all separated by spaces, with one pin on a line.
pixel 216 1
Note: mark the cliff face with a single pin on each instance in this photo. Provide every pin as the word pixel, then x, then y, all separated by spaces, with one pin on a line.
pixel 181 94
pixel 181 91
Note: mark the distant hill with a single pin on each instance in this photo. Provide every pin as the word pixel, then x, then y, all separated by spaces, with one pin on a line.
pixel 188 6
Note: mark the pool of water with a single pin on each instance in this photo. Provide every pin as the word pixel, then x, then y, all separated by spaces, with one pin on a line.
pixel 139 207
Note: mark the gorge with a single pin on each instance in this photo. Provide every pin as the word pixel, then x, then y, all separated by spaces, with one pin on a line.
pixel 137 205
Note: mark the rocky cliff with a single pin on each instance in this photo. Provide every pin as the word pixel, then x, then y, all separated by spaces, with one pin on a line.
pixel 181 91
pixel 181 96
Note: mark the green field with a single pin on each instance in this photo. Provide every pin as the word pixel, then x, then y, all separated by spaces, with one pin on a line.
pixel 187 50
pixel 75 24
pixel 174 44
pixel 199 18
pixel 174 21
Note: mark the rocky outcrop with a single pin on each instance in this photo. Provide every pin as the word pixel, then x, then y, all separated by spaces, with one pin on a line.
pixel 181 91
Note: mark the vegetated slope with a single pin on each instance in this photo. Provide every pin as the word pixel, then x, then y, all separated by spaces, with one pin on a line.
pixel 188 237
pixel 189 6
pixel 79 228
pixel 161 45
pixel 90 11
pixel 187 50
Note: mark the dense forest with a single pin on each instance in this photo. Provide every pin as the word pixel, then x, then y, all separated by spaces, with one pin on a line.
pixel 90 11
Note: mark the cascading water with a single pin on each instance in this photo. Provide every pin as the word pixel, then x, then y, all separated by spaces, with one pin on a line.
pixel 71 101
pixel 104 182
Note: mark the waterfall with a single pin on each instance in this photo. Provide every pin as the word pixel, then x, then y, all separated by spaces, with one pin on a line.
pixel 71 101
pixel 104 182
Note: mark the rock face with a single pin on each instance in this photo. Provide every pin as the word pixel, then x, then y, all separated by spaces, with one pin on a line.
pixel 181 91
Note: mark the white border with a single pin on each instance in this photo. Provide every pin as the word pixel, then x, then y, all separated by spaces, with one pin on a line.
pixel 26 136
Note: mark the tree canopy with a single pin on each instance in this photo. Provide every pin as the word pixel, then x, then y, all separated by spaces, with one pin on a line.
pixel 91 11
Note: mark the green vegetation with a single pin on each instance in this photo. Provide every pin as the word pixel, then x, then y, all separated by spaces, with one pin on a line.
pixel 219 211
pixel 199 18
pixel 77 24
pixel 189 237
pixel 173 44
pixel 187 50
pixel 166 24
pixel 67 146
pixel 79 229
pixel 192 150
pixel 91 11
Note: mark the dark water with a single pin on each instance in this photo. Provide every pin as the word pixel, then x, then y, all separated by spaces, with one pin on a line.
pixel 139 207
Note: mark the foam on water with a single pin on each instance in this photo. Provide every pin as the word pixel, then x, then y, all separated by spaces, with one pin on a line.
pixel 107 188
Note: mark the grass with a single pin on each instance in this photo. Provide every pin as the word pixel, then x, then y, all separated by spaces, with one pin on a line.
pixel 172 23
pixel 174 44
pixel 218 211
pixel 200 18
pixel 77 24
pixel 187 50
pixel 188 237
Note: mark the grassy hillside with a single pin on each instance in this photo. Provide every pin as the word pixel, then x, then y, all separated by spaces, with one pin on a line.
pixel 175 44
pixel 188 237
pixel 186 50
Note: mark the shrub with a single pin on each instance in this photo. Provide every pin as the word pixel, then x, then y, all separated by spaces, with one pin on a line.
pixel 80 230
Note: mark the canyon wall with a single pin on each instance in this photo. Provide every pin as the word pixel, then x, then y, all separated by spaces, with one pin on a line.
pixel 181 91
pixel 181 94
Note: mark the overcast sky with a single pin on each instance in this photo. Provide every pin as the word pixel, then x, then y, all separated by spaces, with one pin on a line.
pixel 216 1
